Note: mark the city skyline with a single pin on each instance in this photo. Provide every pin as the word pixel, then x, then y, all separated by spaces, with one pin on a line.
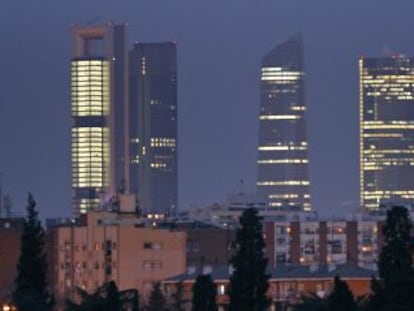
pixel 223 119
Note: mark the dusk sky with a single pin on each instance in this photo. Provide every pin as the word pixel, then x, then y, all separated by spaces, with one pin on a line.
pixel 220 44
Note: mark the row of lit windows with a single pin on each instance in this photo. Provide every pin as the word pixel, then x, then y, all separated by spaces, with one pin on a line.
pixel 385 151
pixel 382 135
pixel 279 117
pixel 387 126
pixel 283 196
pixel 86 204
pixel 163 142
pixel 158 165
pixel 276 148
pixel 284 183
pixel 283 161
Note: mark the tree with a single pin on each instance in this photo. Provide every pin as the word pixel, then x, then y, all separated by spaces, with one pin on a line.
pixel 106 298
pixel 396 284
pixel 204 294
pixel 395 259
pixel 157 301
pixel 177 299
pixel 341 298
pixel 249 282
pixel 31 284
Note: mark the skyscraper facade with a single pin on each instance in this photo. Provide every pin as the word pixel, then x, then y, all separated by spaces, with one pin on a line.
pixel 283 147
pixel 99 109
pixel 153 126
pixel 386 135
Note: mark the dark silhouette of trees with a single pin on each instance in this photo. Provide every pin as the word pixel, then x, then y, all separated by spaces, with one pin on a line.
pixel 31 284
pixel 393 290
pixel 105 298
pixel 204 294
pixel 249 282
pixel 157 301
pixel 341 297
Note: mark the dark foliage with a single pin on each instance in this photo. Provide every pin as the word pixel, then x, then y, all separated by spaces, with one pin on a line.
pixel 204 294
pixel 31 285
pixel 312 302
pixel 157 301
pixel 105 298
pixel 341 297
pixel 249 282
pixel 393 291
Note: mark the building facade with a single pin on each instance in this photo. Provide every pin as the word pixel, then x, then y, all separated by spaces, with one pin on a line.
pixel 99 110
pixel 11 230
pixel 106 247
pixel 283 146
pixel 386 135
pixel 153 126
pixel 287 285
pixel 314 242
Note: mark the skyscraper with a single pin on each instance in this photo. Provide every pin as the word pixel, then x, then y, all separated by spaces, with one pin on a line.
pixel 153 126
pixel 99 105
pixel 283 148
pixel 386 136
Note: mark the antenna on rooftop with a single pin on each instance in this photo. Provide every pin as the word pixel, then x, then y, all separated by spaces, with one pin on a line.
pixel 241 190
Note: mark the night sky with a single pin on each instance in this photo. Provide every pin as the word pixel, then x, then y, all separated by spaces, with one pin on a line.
pixel 220 44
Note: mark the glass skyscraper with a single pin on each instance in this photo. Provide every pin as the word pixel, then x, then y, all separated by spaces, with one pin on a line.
pixel 153 126
pixel 386 136
pixel 283 147
pixel 99 108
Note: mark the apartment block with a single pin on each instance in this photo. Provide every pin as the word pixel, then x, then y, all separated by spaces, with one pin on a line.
pixel 321 242
pixel 102 246
pixel 10 233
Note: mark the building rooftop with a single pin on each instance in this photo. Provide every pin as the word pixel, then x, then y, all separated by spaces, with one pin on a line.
pixel 222 272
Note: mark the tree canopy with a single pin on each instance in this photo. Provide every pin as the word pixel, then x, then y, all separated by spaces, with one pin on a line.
pixel 31 290
pixel 106 298
pixel 393 290
pixel 249 281
pixel 204 294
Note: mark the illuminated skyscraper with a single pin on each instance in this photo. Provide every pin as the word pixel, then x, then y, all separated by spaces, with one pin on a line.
pixel 283 147
pixel 99 88
pixel 386 135
pixel 153 130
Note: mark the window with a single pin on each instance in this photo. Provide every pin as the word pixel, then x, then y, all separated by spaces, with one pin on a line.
pixel 221 289
pixel 152 264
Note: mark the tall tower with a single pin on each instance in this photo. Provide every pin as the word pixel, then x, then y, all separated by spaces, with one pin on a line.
pixel 99 133
pixel 386 135
pixel 283 148
pixel 153 126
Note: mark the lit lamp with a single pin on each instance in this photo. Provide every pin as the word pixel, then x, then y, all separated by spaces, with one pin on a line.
pixel 8 307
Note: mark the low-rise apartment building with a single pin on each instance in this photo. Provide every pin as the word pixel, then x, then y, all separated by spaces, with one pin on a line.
pixel 104 246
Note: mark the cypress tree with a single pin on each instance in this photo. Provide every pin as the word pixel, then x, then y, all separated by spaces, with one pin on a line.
pixel 396 284
pixel 395 260
pixel 31 285
pixel 341 298
pixel 204 294
pixel 249 282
